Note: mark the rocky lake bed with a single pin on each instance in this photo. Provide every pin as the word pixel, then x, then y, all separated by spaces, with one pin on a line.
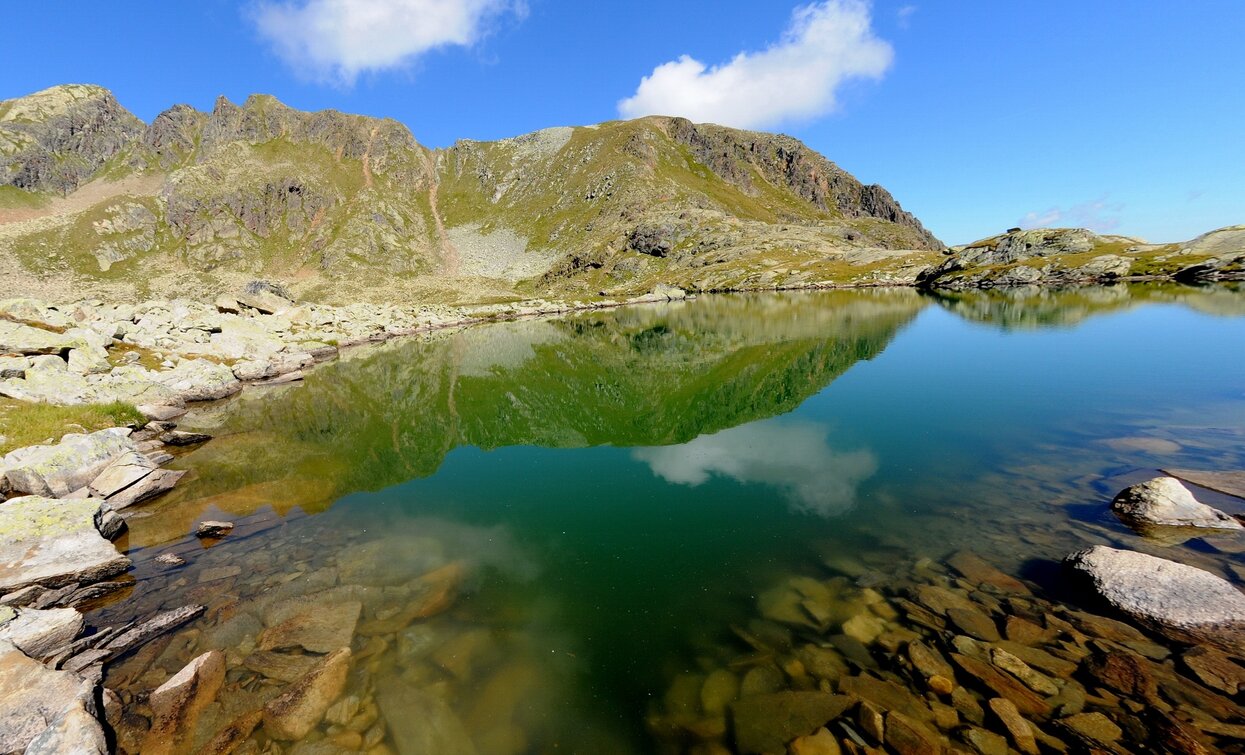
pixel 656 528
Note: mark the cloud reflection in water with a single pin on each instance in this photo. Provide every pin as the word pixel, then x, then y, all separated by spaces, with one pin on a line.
pixel 794 457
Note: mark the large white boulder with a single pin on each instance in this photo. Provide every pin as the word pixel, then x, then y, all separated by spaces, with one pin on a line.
pixel 1174 599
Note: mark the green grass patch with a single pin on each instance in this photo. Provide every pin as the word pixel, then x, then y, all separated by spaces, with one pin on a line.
pixel 26 424
pixel 13 198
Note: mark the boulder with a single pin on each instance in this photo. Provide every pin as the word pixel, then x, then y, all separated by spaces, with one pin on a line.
pixel 1180 601
pixel 227 304
pixel 200 380
pixel 76 731
pixel 302 706
pixel 1159 506
pixel 13 367
pixel 48 386
pixel 41 705
pixel 89 361
pixel 176 704
pixel 34 312
pixel 265 301
pixel 49 542
pixel 16 338
pixel 40 633
pixel 57 470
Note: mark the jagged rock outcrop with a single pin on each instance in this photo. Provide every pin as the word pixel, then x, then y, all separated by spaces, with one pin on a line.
pixel 786 162
pixel 55 140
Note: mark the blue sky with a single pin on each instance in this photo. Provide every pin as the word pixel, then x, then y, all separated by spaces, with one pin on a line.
pixel 977 114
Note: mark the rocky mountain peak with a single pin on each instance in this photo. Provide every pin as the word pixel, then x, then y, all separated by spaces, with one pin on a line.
pixel 57 138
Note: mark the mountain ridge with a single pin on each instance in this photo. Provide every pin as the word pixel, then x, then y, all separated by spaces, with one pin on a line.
pixel 324 199
pixel 338 207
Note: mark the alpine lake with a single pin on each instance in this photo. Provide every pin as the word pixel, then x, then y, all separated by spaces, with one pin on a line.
pixel 707 526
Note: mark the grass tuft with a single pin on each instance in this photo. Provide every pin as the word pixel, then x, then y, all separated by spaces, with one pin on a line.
pixel 23 423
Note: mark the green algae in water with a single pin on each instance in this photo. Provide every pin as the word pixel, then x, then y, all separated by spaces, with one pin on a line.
pixel 620 488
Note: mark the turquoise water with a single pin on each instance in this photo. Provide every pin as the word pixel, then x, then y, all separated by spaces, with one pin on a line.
pixel 622 485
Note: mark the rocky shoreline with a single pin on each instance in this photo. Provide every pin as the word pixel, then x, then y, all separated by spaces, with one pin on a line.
pixel 67 500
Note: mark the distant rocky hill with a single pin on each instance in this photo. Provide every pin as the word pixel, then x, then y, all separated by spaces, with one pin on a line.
pixel 335 204
pixel 1073 256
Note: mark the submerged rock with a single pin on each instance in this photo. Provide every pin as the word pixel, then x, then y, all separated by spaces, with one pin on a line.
pixel 766 723
pixel 301 707
pixel 313 626
pixel 1157 506
pixel 1181 601
pixel 421 723
pixel 49 542
pixel 176 704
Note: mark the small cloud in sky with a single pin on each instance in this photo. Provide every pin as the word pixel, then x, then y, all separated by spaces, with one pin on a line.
pixel 826 44
pixel 1194 195
pixel 794 457
pixel 904 15
pixel 336 40
pixel 1097 215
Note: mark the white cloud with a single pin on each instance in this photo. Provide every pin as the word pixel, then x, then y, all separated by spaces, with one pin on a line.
pixel 339 39
pixel 826 44
pixel 904 15
pixel 791 456
pixel 1098 215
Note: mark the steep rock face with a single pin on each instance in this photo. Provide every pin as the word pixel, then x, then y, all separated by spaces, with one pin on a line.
pixel 56 139
pixel 327 190
pixel 171 138
pixel 736 156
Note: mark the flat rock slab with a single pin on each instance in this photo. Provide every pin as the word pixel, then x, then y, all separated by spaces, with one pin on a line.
pixel 1174 599
pixel 39 633
pixel 157 482
pixel 50 542
pixel 1231 483
pixel 56 470
pixel 124 471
